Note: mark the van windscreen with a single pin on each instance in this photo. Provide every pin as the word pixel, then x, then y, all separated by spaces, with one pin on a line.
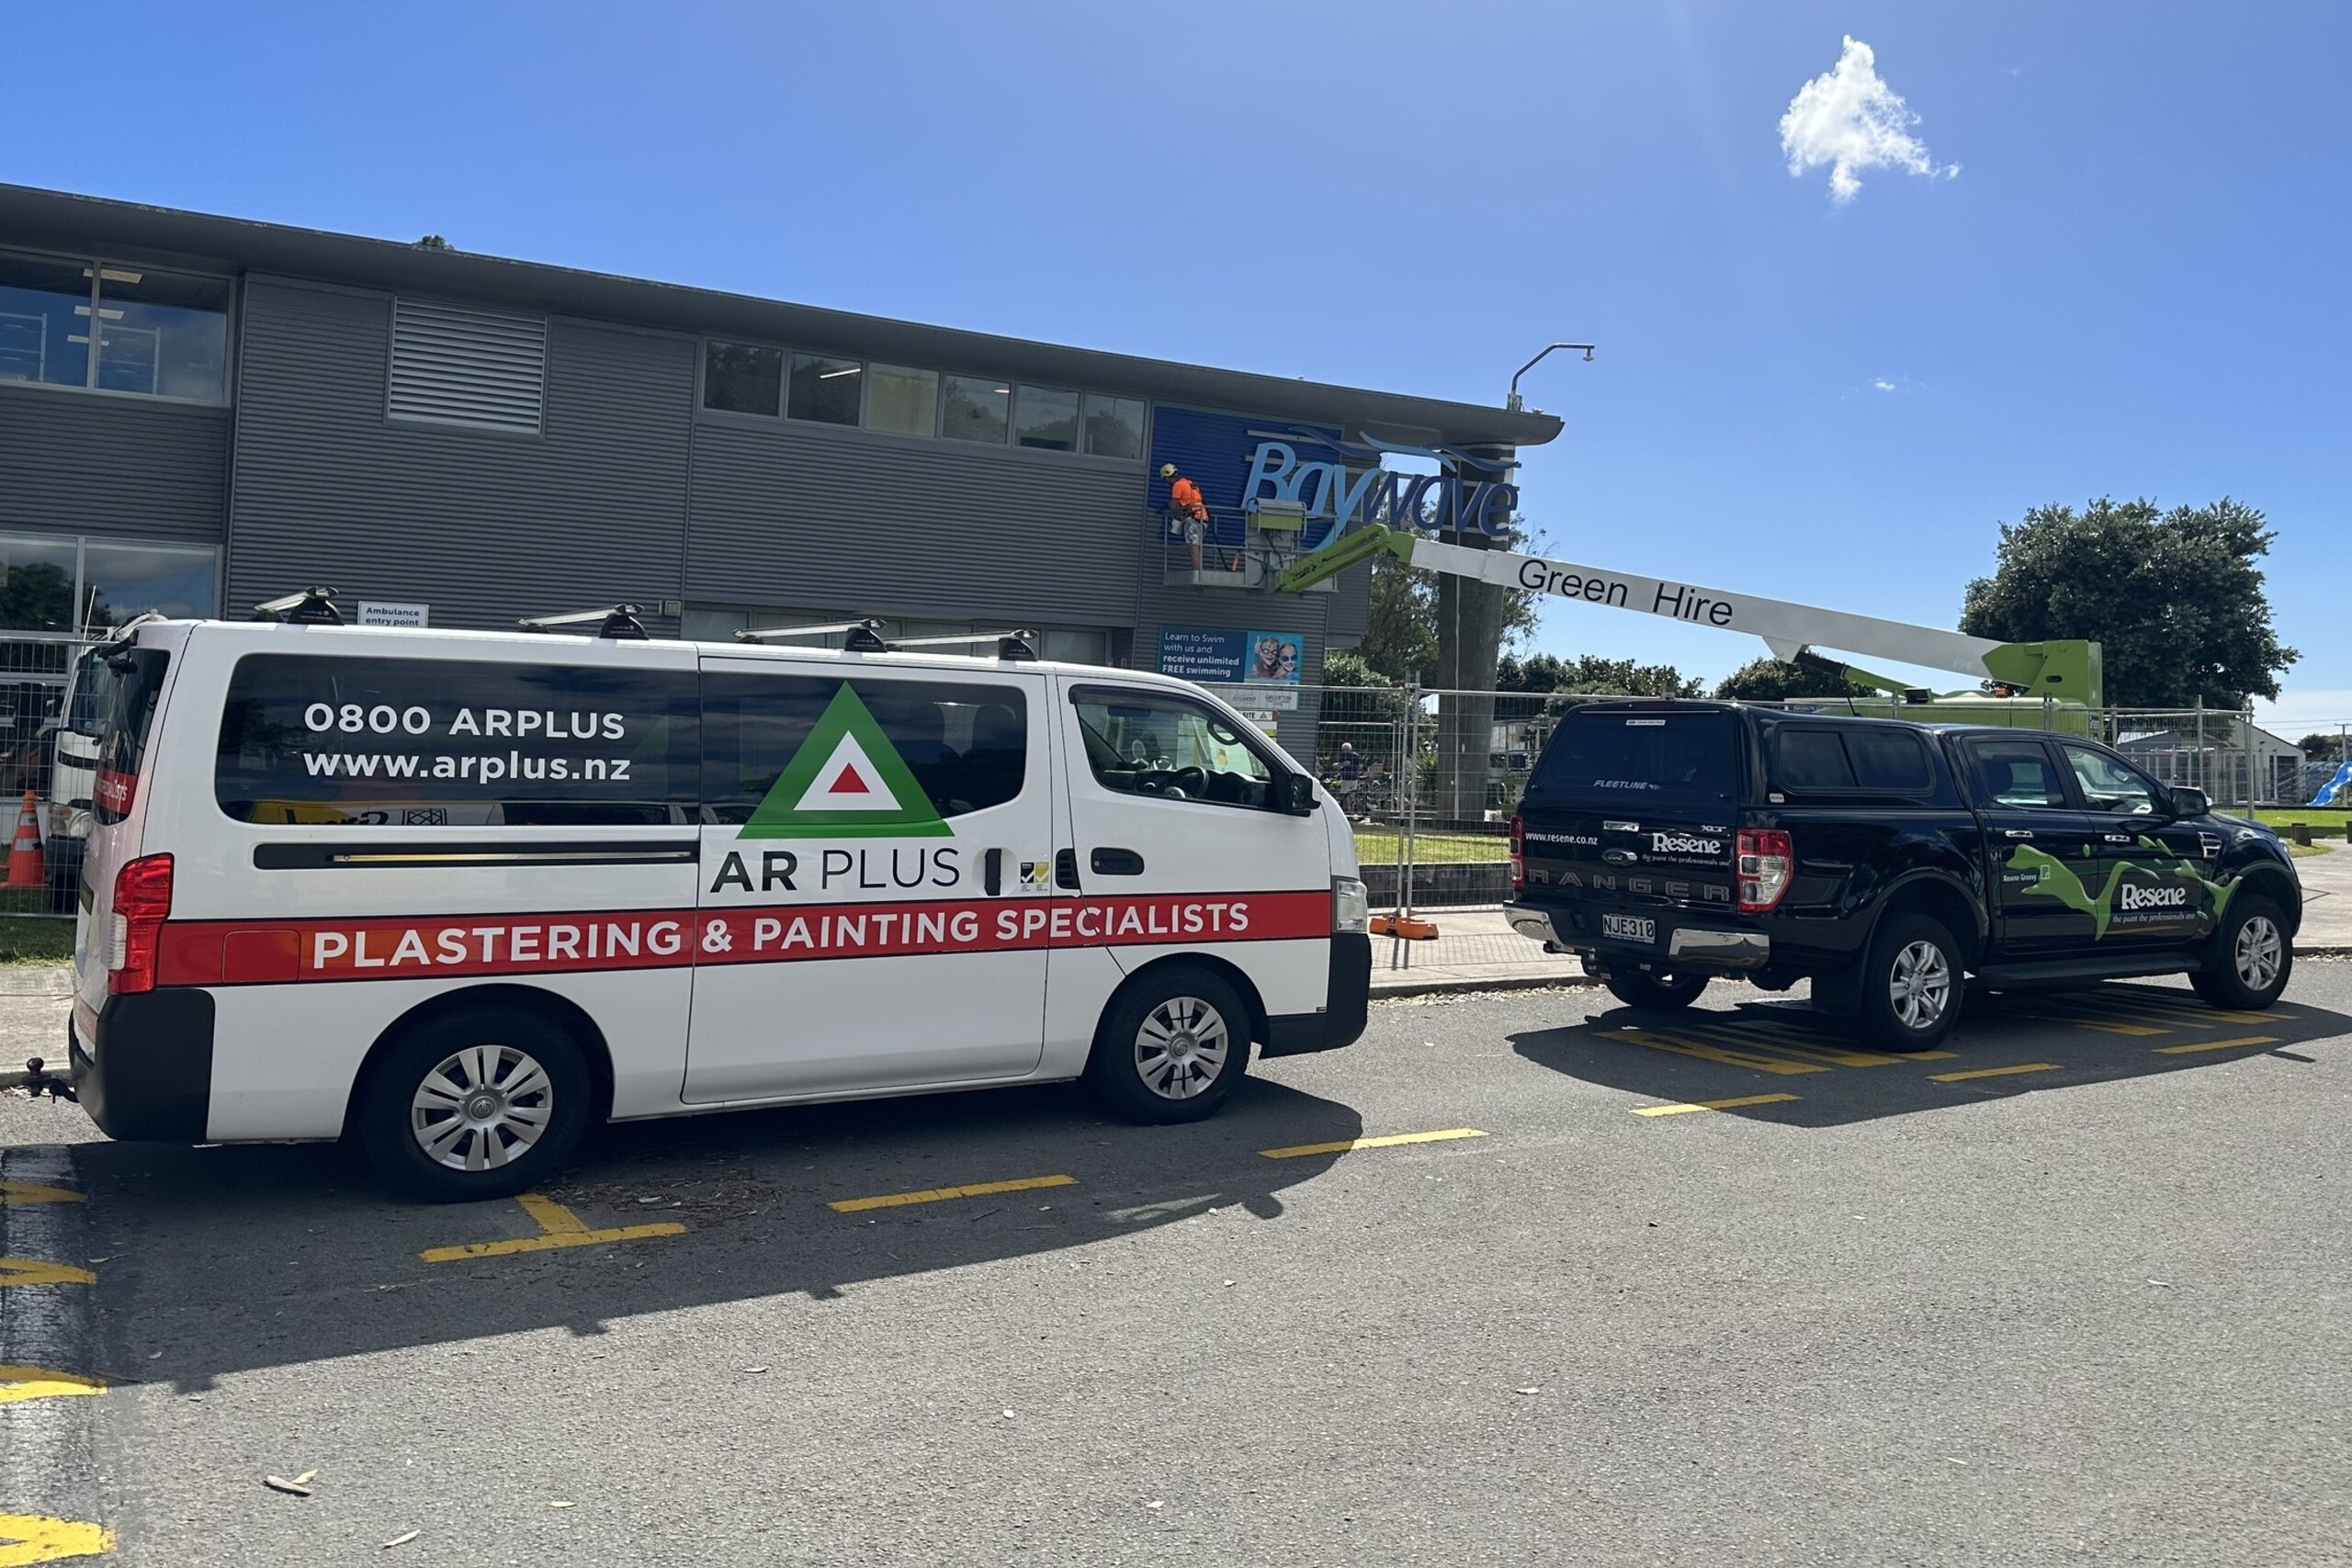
pixel 1640 760
pixel 326 740
pixel 124 684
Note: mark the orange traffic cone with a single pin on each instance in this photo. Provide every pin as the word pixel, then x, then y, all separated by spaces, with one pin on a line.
pixel 25 867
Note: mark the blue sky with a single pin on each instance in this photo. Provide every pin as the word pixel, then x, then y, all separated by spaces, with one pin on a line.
pixel 2134 283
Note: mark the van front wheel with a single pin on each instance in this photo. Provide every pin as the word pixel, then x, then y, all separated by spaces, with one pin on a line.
pixel 484 1103
pixel 1173 1048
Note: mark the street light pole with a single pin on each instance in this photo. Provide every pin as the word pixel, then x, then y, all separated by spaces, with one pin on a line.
pixel 1514 402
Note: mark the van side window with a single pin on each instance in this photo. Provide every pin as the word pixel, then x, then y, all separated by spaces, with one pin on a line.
pixel 963 747
pixel 1149 743
pixel 320 740
pixel 2016 772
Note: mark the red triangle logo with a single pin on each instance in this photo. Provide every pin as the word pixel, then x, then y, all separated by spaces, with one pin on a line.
pixel 849 782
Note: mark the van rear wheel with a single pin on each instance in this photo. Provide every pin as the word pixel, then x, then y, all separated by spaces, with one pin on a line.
pixel 1171 1048
pixel 483 1103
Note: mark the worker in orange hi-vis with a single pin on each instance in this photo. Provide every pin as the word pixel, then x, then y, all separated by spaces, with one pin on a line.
pixel 1189 508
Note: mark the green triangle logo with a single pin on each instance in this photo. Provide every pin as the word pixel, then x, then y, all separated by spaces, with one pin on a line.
pixel 846 782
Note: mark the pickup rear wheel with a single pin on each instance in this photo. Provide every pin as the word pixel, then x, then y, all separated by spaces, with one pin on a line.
pixel 1911 985
pixel 1661 993
pixel 2250 958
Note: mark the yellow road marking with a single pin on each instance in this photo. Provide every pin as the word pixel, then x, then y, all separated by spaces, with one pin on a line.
pixel 36 1271
pixel 1994 1072
pixel 40 1382
pixel 2196 1017
pixel 2220 1045
pixel 941 1194
pixel 15 1193
pixel 1386 1140
pixel 559 1226
pixel 1811 1047
pixel 1712 1104
pixel 2142 1029
pixel 1706 1052
pixel 27 1538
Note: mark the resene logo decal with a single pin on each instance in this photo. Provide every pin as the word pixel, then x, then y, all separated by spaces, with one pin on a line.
pixel 2136 897
pixel 1684 844
pixel 846 782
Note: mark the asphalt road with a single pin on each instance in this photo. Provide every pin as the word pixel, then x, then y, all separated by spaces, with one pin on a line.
pixel 2093 1311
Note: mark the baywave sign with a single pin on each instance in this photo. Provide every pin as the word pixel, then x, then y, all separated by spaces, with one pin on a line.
pixel 1240 462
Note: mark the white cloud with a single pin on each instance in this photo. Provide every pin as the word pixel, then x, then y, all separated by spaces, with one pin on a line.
pixel 1852 121
pixel 1883 385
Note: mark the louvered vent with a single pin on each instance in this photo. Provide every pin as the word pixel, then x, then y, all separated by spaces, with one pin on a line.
pixel 469 367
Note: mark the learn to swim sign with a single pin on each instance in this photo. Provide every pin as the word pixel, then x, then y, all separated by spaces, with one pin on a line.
pixel 846 782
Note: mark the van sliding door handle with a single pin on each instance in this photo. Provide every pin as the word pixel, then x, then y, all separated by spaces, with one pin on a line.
pixel 1116 862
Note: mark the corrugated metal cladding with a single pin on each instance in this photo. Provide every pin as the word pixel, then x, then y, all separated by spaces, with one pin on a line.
pixel 484 525
pixel 469 367
pixel 87 464
pixel 788 513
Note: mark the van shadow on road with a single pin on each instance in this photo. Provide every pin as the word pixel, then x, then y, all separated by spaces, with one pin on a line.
pixel 1801 1069
pixel 229 1259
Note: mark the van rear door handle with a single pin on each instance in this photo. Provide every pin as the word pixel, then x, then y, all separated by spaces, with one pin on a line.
pixel 1116 862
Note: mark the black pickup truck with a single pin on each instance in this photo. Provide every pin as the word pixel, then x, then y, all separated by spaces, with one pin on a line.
pixel 1671 843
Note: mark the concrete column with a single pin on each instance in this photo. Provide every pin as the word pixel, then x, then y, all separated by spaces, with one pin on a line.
pixel 1469 646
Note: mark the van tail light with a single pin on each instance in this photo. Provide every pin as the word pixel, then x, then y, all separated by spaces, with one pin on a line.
pixel 1517 853
pixel 143 901
pixel 1764 863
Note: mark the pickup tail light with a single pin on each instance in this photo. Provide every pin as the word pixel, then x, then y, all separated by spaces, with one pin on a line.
pixel 1517 853
pixel 143 901
pixel 1765 862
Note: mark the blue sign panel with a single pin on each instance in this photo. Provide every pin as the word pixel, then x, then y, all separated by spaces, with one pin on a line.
pixel 1224 655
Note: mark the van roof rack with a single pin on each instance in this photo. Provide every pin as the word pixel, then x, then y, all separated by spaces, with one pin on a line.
pixel 1018 646
pixel 864 635
pixel 311 607
pixel 619 622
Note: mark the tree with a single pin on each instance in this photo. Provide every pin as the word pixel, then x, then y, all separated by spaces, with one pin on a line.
pixel 2319 748
pixel 1769 679
pixel 1400 632
pixel 1591 675
pixel 2173 598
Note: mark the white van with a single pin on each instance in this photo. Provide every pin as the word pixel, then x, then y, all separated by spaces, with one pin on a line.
pixel 458 894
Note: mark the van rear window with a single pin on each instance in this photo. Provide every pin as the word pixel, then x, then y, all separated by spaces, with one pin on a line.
pixel 1619 759
pixel 315 739
pixel 124 685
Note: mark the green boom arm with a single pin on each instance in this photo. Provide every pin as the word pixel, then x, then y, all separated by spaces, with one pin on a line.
pixel 2066 670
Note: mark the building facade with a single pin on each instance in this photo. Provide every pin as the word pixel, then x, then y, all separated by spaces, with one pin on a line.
pixel 199 413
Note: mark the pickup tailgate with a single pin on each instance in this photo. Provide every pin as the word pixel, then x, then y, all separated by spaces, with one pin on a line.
pixel 1634 811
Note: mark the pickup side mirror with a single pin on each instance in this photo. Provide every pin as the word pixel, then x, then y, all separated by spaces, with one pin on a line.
pixel 1295 795
pixel 2189 801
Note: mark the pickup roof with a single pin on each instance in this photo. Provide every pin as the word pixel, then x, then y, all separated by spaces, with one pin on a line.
pixel 1669 842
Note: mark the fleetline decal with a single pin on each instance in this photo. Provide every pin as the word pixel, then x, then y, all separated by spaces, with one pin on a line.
pixel 214 952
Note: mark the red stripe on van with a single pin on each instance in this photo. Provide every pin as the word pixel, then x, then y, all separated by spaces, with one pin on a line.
pixel 243 953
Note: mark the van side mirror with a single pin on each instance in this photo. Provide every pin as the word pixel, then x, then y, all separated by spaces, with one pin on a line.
pixel 1295 794
pixel 2189 801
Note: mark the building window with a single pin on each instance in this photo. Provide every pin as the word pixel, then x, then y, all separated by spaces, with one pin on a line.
pixel 155 335
pixel 1078 647
pixel 900 400
pixel 1045 419
pixel 475 368
pixel 1114 427
pixel 975 409
pixel 827 390
pixel 73 587
pixel 741 379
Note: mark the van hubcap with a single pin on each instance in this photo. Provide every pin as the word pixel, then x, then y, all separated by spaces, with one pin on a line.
pixel 1181 1047
pixel 483 1107
pixel 2258 954
pixel 1920 987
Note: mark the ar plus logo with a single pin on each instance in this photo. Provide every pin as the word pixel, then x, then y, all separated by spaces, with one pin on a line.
pixel 846 782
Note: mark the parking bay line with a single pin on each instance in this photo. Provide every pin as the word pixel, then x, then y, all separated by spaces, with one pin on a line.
pixel 1712 1104
pixel 1386 1140
pixel 18 1383
pixel 17 1192
pixel 37 1537
pixel 1778 1037
pixel 941 1194
pixel 1706 1052
pixel 1994 1072
pixel 559 1226
pixel 2240 1044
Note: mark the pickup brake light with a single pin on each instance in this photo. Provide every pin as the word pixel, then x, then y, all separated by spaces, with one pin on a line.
pixel 1765 861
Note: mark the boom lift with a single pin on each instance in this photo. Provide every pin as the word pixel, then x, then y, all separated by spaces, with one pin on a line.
pixel 2035 682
